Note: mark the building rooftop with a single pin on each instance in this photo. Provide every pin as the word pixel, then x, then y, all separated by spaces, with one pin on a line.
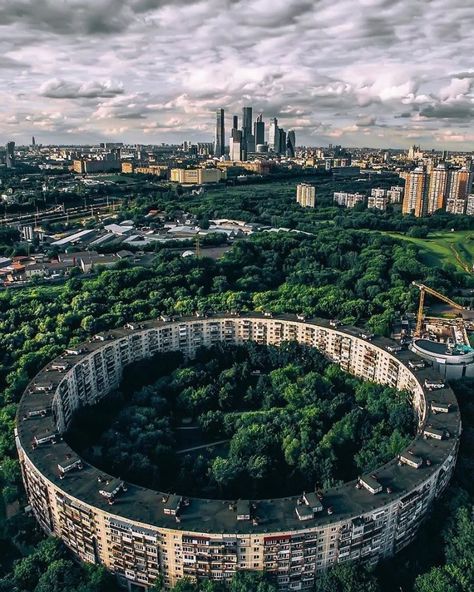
pixel 218 516
pixel 439 348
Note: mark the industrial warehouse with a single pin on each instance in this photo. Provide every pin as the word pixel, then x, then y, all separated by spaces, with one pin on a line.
pixel 140 534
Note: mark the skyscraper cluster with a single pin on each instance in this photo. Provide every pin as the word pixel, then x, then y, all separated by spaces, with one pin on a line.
pixel 250 137
pixel 440 188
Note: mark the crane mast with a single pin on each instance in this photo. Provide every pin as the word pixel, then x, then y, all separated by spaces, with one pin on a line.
pixel 423 291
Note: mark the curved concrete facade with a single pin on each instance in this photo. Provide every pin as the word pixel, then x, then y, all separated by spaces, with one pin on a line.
pixel 139 534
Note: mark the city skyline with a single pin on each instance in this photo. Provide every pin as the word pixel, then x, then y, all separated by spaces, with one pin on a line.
pixel 151 71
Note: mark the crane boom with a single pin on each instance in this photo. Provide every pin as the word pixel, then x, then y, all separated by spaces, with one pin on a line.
pixel 422 287
pixel 426 289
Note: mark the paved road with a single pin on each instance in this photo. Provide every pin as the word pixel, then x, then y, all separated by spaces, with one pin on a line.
pixel 210 445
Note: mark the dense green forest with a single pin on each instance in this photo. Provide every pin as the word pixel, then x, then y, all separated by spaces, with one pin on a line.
pixel 285 420
pixel 361 277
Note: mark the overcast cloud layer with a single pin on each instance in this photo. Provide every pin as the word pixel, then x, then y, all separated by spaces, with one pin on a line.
pixel 355 72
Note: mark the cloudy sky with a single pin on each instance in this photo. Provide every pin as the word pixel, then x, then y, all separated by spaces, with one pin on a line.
pixel 354 72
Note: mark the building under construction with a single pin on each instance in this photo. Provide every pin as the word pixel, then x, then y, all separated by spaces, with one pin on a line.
pixel 442 341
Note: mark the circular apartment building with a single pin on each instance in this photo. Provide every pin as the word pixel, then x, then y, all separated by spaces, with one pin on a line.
pixel 140 534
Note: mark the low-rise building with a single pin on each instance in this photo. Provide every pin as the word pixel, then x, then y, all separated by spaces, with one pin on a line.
pixel 88 261
pixel 196 176
pixel 377 202
pixel 395 194
pixel 86 166
pixel 348 200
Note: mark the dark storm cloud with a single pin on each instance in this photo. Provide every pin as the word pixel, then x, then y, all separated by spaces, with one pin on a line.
pixel 76 16
pixel 64 17
pixel 457 110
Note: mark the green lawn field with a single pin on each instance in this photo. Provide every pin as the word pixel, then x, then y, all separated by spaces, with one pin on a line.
pixel 456 248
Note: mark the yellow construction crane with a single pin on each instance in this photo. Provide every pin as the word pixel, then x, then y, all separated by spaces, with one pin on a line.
pixel 423 290
pixel 198 245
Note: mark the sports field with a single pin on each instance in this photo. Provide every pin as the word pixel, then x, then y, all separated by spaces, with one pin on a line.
pixel 440 248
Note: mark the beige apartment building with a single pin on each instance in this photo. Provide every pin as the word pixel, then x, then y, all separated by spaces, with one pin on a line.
pixel 440 189
pixel 306 195
pixel 414 201
pixel 196 176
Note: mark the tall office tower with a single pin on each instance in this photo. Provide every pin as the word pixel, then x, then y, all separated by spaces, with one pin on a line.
pixel 247 136
pixel 414 201
pixel 219 143
pixel 10 158
pixel 436 195
pixel 274 135
pixel 291 144
pixel 259 131
pixel 33 141
pixel 250 144
pixel 458 189
pixel 247 120
pixel 235 122
pixel 306 195
pixel 282 141
pixel 235 151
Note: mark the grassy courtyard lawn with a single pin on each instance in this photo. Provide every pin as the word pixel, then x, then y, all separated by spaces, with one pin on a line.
pixel 456 248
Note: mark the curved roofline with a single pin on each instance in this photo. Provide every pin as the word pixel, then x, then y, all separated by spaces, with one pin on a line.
pixel 148 506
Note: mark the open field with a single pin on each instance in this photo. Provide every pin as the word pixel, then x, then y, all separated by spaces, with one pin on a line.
pixel 456 248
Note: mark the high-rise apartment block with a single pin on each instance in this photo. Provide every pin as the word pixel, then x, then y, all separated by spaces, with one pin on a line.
pixel 441 188
pixel 306 195
pixel 143 536
pixel 416 185
pixel 437 186
pixel 459 187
